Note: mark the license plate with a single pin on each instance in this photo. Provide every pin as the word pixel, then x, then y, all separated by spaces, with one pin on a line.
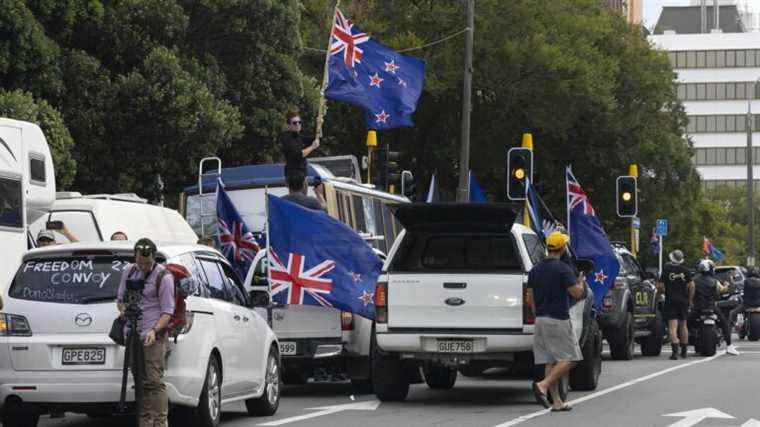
pixel 84 356
pixel 455 346
pixel 287 348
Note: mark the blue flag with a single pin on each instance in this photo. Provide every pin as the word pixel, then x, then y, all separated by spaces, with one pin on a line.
pixel 476 193
pixel 588 239
pixel 709 249
pixel 534 210
pixel 317 260
pixel 365 73
pixel 237 242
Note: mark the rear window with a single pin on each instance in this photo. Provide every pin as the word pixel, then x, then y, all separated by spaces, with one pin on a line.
pixel 728 274
pixel 10 203
pixel 458 253
pixel 69 280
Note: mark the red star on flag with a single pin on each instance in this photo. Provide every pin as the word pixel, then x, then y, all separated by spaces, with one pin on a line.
pixel 600 277
pixel 391 67
pixel 382 117
pixel 366 298
pixel 375 80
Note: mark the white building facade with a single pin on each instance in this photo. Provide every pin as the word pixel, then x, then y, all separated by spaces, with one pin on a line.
pixel 716 73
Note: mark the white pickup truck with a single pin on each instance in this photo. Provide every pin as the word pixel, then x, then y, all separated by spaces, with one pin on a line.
pixel 315 342
pixel 453 296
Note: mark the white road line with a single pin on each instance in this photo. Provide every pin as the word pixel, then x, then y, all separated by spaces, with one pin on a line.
pixel 600 393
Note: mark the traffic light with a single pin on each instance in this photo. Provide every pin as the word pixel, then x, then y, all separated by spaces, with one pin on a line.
pixel 627 197
pixel 385 169
pixel 408 185
pixel 519 168
pixel 392 172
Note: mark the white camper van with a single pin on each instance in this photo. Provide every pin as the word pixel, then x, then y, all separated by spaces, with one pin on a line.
pixel 94 218
pixel 27 189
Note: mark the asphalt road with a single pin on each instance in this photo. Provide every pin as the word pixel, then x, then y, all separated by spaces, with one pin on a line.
pixel 640 392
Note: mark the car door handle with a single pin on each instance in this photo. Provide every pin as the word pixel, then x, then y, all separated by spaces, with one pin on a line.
pixel 452 285
pixel 236 317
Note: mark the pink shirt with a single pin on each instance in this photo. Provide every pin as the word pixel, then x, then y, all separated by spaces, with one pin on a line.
pixel 153 304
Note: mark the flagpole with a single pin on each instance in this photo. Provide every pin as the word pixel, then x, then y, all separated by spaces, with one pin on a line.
pixel 325 75
pixel 567 207
pixel 266 255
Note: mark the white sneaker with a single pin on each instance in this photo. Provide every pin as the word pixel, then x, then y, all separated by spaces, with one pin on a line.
pixel 732 350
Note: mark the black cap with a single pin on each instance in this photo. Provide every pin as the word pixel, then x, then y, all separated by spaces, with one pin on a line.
pixel 145 247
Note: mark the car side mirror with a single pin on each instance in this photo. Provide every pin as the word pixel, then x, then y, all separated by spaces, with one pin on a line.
pixel 259 298
pixel 259 280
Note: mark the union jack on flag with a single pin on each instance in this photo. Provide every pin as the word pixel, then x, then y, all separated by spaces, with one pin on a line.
pixel 345 41
pixel 291 284
pixel 238 243
pixel 576 196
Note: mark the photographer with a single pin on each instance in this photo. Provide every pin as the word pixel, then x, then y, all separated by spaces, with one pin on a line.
pixel 155 307
pixel 297 192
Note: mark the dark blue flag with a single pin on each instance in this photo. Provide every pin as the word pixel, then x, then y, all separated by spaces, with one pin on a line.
pixel 542 221
pixel 476 193
pixel 365 73
pixel 317 260
pixel 588 239
pixel 237 242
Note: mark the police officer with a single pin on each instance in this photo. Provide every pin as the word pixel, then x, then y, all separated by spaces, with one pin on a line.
pixel 706 289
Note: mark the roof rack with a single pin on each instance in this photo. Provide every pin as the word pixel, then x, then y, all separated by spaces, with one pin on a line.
pixel 122 197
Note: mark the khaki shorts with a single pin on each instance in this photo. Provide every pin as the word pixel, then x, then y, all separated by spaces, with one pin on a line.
pixel 555 341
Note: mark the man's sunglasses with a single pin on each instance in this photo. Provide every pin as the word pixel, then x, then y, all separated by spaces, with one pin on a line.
pixel 145 250
pixel 295 122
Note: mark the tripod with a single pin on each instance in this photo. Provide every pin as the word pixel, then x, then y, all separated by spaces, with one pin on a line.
pixel 133 356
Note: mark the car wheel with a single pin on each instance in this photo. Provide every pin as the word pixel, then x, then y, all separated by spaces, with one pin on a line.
pixel 268 403
pixel 585 376
pixel 440 377
pixel 389 379
pixel 621 340
pixel 210 404
pixel 652 345
pixel 21 420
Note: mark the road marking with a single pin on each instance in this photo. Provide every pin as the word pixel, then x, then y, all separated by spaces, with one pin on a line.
pixel 751 423
pixel 600 393
pixel 369 405
pixel 696 416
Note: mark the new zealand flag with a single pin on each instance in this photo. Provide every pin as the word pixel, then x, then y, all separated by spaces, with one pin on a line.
pixel 365 73
pixel 237 242
pixel 317 260
pixel 588 239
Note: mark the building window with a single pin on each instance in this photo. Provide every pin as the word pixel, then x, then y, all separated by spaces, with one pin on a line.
pixel 681 59
pixel 720 58
pixel 691 59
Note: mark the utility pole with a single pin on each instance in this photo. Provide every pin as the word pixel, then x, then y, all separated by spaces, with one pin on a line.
pixel 750 180
pixel 463 192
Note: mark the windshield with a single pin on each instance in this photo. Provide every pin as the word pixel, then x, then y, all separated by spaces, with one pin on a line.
pixel 728 274
pixel 69 280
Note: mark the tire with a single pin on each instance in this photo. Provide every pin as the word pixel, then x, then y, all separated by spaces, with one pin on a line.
pixel 621 340
pixel 440 377
pixel 539 372
pixel 708 340
pixel 21 420
pixel 209 411
pixel 269 401
pixel 585 376
pixel 753 330
pixel 389 379
pixel 652 345
pixel 362 386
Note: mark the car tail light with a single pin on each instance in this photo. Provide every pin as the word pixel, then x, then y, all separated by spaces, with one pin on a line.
pixel 608 304
pixel 346 321
pixel 14 325
pixel 529 316
pixel 381 302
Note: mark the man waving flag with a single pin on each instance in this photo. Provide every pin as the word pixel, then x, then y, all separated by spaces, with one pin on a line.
pixel 365 73
pixel 588 239
pixel 317 260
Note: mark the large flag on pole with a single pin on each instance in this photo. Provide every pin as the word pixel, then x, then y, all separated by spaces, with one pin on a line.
pixel 710 250
pixel 237 241
pixel 363 72
pixel 476 193
pixel 588 239
pixel 317 260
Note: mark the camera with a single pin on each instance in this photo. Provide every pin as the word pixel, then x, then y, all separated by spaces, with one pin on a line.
pixel 133 295
pixel 136 285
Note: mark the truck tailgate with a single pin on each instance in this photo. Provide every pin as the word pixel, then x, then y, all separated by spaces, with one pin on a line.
pixel 306 321
pixel 455 301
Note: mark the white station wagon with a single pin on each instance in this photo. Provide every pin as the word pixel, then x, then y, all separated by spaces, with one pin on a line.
pixel 55 354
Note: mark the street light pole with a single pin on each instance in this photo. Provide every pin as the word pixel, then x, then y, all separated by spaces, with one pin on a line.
pixel 750 179
pixel 463 192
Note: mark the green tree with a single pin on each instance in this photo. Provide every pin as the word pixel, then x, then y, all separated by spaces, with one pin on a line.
pixel 20 105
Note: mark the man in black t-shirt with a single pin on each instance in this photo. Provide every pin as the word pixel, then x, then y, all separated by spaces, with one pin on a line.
pixel 294 146
pixel 675 280
pixel 553 282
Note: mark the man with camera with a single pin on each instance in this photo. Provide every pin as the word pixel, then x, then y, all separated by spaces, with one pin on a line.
pixel 146 291
pixel 297 192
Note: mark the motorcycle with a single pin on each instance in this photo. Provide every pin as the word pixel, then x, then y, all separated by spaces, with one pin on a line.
pixel 750 327
pixel 704 333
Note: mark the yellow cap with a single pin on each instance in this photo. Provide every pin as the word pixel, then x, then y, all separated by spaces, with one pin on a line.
pixel 557 240
pixel 527 141
pixel 372 139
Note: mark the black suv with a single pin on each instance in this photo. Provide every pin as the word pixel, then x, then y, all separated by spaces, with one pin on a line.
pixel 630 310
